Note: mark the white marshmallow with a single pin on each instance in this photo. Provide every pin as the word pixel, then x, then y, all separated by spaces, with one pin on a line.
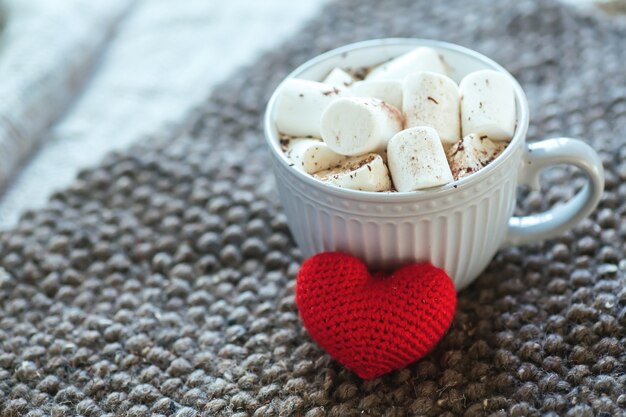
pixel 311 155
pixel 300 104
pixel 417 159
pixel 389 91
pixel 356 125
pixel 471 154
pixel 365 173
pixel 431 99
pixel 338 78
pixel 419 59
pixel 488 105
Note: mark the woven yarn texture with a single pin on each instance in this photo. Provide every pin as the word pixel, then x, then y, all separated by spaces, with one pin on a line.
pixel 373 324
pixel 162 281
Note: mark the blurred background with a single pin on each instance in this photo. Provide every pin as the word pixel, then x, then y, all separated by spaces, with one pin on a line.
pixel 80 78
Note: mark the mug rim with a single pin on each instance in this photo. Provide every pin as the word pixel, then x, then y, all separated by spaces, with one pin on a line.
pixel 397 196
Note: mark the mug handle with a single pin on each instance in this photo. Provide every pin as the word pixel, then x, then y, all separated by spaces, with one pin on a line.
pixel 555 221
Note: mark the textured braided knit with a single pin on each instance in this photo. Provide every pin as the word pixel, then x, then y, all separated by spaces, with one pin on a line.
pixel 373 324
pixel 162 281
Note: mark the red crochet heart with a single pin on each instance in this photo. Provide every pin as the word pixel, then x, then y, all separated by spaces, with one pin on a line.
pixel 373 324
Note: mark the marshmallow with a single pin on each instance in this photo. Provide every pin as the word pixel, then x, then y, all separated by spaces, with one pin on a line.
pixel 471 154
pixel 338 78
pixel 300 104
pixel 420 59
pixel 356 125
pixel 365 173
pixel 389 91
pixel 488 105
pixel 431 99
pixel 311 155
pixel 417 159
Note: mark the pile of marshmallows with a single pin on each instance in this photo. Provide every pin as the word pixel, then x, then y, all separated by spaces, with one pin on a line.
pixel 406 118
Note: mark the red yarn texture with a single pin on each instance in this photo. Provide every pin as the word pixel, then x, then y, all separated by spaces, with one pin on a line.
pixel 373 324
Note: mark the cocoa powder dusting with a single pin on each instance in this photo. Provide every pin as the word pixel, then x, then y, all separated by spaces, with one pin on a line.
pixel 284 141
pixel 347 166
pixel 358 73
pixel 395 112
pixel 458 147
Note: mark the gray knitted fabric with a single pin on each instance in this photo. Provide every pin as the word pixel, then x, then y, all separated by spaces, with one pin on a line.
pixel 162 282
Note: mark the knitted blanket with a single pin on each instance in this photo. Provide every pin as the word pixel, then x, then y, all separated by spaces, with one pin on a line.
pixel 162 281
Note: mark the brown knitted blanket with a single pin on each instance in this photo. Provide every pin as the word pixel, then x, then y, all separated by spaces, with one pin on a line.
pixel 162 281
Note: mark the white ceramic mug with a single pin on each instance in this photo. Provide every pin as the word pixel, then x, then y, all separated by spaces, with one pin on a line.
pixel 458 227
